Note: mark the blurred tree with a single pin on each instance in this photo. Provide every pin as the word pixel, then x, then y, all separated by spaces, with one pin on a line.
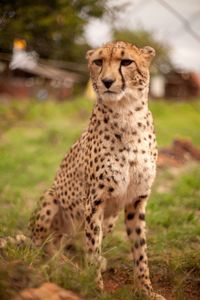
pixel 53 28
pixel 162 62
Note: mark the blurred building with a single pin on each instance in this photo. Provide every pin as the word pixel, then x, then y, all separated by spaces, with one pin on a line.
pixel 175 85
pixel 182 85
pixel 23 76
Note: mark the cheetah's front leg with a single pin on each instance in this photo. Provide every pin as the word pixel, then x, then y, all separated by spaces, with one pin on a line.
pixel 93 235
pixel 135 227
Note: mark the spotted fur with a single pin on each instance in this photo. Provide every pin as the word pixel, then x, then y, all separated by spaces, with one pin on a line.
pixel 111 167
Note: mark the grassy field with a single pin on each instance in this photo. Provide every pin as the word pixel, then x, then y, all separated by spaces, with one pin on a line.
pixel 33 139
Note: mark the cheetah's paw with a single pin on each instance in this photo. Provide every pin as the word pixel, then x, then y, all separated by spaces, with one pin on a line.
pixel 99 283
pixel 103 264
pixel 155 296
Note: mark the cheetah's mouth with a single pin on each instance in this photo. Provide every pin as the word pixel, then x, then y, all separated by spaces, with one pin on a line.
pixel 109 92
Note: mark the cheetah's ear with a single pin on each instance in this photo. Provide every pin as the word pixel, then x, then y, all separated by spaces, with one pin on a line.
pixel 89 53
pixel 148 52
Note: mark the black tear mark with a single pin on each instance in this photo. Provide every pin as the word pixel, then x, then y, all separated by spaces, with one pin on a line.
pixel 123 80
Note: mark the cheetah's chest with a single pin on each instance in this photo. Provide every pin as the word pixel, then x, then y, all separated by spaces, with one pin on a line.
pixel 141 167
pixel 133 169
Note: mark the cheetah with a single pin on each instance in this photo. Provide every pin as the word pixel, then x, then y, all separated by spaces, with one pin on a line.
pixel 111 167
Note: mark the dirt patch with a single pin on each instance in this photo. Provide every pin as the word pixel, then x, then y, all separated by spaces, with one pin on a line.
pixel 161 282
pixel 179 152
pixel 116 278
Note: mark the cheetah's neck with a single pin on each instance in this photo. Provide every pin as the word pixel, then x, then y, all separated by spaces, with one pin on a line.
pixel 128 108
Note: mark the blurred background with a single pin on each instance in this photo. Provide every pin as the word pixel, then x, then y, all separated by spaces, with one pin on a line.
pixel 46 101
pixel 43 45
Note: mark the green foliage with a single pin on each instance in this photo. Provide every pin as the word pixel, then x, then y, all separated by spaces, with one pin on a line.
pixel 141 38
pixel 53 28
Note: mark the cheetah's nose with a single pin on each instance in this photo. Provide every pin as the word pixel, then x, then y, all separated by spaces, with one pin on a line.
pixel 107 82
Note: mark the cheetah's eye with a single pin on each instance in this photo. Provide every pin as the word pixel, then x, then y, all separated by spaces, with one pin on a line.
pixel 126 62
pixel 98 62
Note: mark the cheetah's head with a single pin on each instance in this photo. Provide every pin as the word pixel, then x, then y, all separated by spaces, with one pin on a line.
pixel 119 69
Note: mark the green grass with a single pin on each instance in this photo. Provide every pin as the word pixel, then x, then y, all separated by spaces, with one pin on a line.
pixel 33 139
pixel 175 120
